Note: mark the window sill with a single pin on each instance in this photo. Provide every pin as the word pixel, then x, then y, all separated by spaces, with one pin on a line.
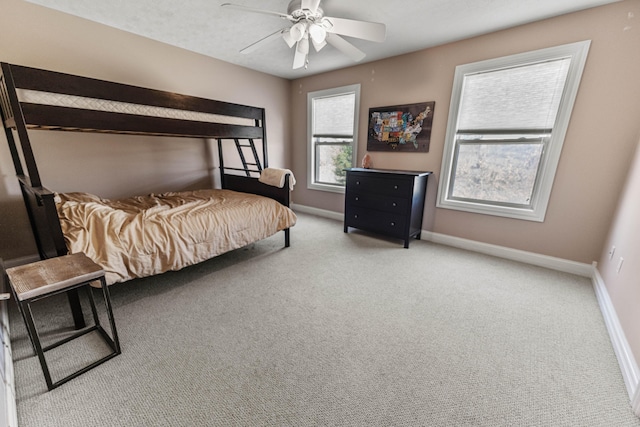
pixel 327 188
pixel 502 211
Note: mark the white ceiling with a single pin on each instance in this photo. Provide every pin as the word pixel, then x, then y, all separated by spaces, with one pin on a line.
pixel 203 26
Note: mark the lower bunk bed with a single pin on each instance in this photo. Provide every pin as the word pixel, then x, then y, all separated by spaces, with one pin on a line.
pixel 144 235
pixel 147 235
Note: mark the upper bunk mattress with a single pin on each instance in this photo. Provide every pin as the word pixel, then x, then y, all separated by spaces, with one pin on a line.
pixel 146 235
pixel 85 103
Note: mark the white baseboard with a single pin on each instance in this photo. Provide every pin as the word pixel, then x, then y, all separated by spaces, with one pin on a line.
pixel 318 212
pixel 9 415
pixel 635 403
pixel 578 268
pixel 553 263
pixel 626 359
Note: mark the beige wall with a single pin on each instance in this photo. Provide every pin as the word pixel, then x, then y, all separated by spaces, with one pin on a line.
pixel 600 139
pixel 110 165
pixel 623 286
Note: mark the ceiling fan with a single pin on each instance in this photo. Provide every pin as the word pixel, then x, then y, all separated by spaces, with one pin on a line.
pixel 310 26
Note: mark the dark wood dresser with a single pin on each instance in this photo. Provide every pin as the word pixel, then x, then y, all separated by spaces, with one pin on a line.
pixel 387 202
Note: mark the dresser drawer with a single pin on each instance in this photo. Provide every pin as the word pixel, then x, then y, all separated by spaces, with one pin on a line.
pixel 384 222
pixel 390 186
pixel 391 204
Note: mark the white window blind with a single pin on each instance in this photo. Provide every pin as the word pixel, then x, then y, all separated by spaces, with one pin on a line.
pixel 334 115
pixel 524 97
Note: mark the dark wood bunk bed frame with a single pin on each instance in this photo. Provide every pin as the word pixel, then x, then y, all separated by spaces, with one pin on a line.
pixel 18 117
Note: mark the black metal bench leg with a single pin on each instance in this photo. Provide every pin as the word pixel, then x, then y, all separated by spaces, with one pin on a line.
pixel 35 339
pixel 24 317
pixel 107 301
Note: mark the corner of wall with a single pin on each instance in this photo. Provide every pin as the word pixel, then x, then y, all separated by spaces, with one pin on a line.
pixel 635 403
pixel 626 359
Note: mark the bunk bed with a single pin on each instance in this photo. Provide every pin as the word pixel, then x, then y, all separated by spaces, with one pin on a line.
pixel 33 98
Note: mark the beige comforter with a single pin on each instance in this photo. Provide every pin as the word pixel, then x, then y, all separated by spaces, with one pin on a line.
pixel 147 235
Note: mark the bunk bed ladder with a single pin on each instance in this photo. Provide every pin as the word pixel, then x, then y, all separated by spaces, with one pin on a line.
pixel 245 164
pixel 240 143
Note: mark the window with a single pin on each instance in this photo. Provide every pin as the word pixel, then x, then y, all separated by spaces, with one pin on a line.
pixel 507 122
pixel 333 124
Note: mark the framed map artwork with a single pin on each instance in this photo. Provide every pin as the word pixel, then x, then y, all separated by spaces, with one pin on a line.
pixel 402 128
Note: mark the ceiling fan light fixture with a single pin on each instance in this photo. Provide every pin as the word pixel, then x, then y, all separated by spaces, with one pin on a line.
pixel 317 33
pixel 298 31
pixel 289 40
pixel 303 46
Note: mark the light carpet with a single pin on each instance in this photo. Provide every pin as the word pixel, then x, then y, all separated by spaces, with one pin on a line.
pixel 339 330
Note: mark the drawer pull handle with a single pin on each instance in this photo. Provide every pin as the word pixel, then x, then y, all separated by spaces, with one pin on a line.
pixel 395 187
pixel 393 224
pixel 357 198
pixel 355 216
pixel 394 204
pixel 357 182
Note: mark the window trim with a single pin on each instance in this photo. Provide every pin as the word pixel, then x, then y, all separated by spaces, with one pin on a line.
pixel 551 155
pixel 311 147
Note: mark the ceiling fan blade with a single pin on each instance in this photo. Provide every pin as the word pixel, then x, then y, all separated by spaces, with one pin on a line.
pixel 256 45
pixel 299 59
pixel 311 5
pixel 345 47
pixel 254 10
pixel 373 31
